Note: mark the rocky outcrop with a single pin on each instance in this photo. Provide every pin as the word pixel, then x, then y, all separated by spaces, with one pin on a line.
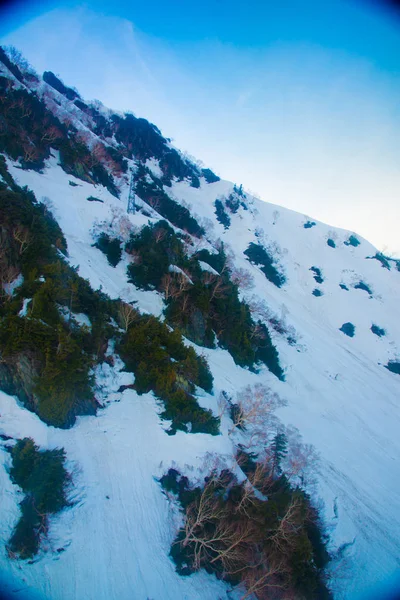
pixel 17 378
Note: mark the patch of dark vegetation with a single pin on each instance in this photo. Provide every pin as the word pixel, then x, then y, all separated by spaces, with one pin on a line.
pixel 393 366
pixel 343 286
pixel 154 249
pixel 58 85
pixel 42 476
pixel 27 127
pixel 352 241
pixel 84 107
pixel 93 199
pixel 317 274
pixel 363 286
pixel 76 159
pixel 379 331
pixel 73 184
pixel 11 66
pixel 258 255
pixel 29 130
pixel 46 356
pixel 162 363
pixel 309 224
pixel 348 329
pixel 331 243
pixel 150 189
pixel 384 260
pixel 211 306
pixel 317 292
pixel 201 304
pixel 222 215
pixel 111 247
pixel 144 140
pixel 209 176
pixel 263 534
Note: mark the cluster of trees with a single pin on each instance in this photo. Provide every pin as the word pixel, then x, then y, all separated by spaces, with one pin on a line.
pixel 209 176
pixel 56 352
pixel 261 311
pixel 144 140
pixel 111 247
pixel 44 480
pixel 393 366
pixel 150 189
pixel 162 363
pixel 58 85
pixel 317 274
pixel 78 160
pixel 316 292
pixel 154 249
pixel 348 329
pixel 231 204
pixel 28 130
pixel 384 260
pixel 258 255
pixel 352 241
pixel 222 215
pixel 361 285
pixel 202 304
pixel 262 532
pixel 379 331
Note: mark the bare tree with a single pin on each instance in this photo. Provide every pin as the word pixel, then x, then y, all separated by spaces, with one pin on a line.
pixel 263 578
pixel 226 541
pixel 23 237
pixel 30 153
pixel 301 462
pixel 126 314
pixel 25 109
pixel 175 285
pixel 159 234
pixel 168 286
pixel 254 411
pixel 286 534
pixel 216 283
pixel 154 202
pixel 17 58
pixel 242 278
pixel 51 134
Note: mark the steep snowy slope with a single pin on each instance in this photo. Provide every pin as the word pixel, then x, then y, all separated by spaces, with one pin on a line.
pixel 115 540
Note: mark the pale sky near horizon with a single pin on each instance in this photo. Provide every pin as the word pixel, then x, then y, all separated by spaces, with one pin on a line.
pixel 300 103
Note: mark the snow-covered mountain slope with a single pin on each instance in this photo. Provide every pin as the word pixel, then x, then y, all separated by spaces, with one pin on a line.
pixel 115 540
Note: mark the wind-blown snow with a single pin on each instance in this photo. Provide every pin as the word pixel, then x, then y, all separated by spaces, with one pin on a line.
pixel 340 396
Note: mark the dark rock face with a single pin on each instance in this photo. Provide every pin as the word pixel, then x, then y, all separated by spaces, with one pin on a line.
pixel 18 379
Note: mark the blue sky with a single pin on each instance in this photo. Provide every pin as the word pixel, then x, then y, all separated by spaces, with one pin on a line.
pixel 299 102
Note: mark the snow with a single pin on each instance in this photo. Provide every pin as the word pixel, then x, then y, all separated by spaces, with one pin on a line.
pixel 117 537
pixel 24 309
pixel 10 288
pixel 176 269
pixel 82 319
pixel 339 395
pixel 206 267
pixel 153 165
